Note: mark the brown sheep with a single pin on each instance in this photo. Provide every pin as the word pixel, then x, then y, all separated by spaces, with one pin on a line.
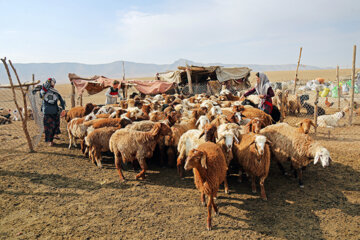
pixel 305 125
pixel 98 142
pixel 253 155
pixel 209 167
pixel 255 125
pixel 251 113
pixel 128 146
pixel 79 112
pixel 294 105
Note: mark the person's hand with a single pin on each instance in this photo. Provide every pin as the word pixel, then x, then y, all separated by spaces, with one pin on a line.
pixel 262 96
pixel 242 98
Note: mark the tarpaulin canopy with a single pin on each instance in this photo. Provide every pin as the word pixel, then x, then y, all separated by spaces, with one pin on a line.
pixel 170 76
pixel 96 84
pixel 226 74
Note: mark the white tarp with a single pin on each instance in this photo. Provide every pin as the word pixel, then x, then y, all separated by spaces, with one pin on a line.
pixel 225 74
pixel 171 76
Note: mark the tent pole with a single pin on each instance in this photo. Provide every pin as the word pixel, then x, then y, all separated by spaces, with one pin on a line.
pixel 188 73
pixel 297 71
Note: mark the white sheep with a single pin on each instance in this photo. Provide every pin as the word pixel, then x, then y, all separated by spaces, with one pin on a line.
pixel 332 120
pixel 202 121
pixel 288 142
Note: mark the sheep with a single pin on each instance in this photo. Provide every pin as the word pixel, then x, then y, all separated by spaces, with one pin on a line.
pixel 98 142
pixel 190 140
pixel 4 120
pixel 255 125
pixel 288 142
pixel 294 105
pixel 309 108
pixel 214 111
pixel 254 112
pixel 79 112
pixel 202 121
pixel 128 146
pixel 332 120
pixel 76 129
pixel 209 167
pixel 108 122
pixel 253 154
pixel 228 133
pixel 305 125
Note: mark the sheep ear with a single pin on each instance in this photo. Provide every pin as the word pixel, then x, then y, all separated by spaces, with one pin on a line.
pixel 202 134
pixel 221 138
pixel 197 122
pixel 316 159
pixel 299 124
pixel 312 123
pixel 216 135
pixel 203 161
pixel 268 141
pixel 236 139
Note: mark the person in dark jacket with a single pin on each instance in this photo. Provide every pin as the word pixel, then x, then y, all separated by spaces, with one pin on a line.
pixel 51 109
pixel 265 92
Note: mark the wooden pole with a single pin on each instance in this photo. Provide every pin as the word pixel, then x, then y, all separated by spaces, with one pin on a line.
pixel 81 100
pixel 338 85
pixel 316 109
pixel 188 73
pixel 282 113
pixel 123 65
pixel 23 118
pixel 352 87
pixel 297 71
pixel 72 95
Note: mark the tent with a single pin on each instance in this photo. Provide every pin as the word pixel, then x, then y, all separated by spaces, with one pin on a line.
pixel 207 79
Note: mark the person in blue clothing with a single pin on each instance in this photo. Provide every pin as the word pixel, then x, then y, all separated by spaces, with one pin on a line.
pixel 113 93
pixel 51 110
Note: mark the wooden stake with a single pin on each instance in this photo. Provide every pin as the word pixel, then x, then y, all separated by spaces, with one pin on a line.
pixel 188 73
pixel 282 106
pixel 316 109
pixel 72 95
pixel 297 71
pixel 352 87
pixel 123 65
pixel 338 84
pixel 23 118
pixel 81 100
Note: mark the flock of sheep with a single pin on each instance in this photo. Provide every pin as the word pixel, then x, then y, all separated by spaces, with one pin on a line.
pixel 203 133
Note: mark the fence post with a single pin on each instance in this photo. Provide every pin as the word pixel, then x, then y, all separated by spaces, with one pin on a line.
pixel 338 85
pixel 352 87
pixel 297 70
pixel 188 73
pixel 282 105
pixel 316 109
pixel 81 100
pixel 72 95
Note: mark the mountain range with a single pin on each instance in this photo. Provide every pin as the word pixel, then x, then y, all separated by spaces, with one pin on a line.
pixel 60 71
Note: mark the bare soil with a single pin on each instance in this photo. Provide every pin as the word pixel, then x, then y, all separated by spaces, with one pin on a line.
pixel 57 193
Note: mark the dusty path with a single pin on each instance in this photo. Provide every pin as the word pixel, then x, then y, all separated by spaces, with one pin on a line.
pixel 56 193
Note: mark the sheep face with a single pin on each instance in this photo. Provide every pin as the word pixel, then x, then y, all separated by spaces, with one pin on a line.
pixel 195 159
pixel 202 121
pixel 165 130
pixel 260 144
pixel 306 125
pixel 229 140
pixel 323 155
pixel 215 110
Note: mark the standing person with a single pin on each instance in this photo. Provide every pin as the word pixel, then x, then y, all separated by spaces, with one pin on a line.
pixel 51 110
pixel 113 93
pixel 265 92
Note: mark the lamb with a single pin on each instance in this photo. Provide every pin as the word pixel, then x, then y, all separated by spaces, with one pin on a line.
pixel 331 121
pixel 253 154
pixel 98 142
pixel 202 121
pixel 79 112
pixel 255 125
pixel 190 140
pixel 128 146
pixel 228 134
pixel 287 142
pixel 209 167
pixel 251 113
pixel 294 105
pixel 305 125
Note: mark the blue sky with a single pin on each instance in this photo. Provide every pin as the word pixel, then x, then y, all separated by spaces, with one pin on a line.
pixel 227 31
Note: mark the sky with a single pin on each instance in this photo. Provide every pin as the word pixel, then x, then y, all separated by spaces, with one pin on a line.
pixel 162 31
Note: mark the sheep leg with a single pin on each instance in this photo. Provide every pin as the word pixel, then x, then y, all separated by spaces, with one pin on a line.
pixel 262 187
pixel 143 166
pixel 70 139
pixel 216 210
pixel 82 146
pixel 209 205
pixel 98 158
pixel 253 183
pixel 226 186
pixel 118 166
pixel 301 184
pixel 240 176
pixel 180 165
pixel 202 199
pixel 282 169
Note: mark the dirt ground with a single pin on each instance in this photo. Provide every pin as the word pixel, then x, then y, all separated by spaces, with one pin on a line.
pixel 57 193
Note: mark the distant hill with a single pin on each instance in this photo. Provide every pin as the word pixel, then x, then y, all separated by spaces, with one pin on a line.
pixel 60 71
